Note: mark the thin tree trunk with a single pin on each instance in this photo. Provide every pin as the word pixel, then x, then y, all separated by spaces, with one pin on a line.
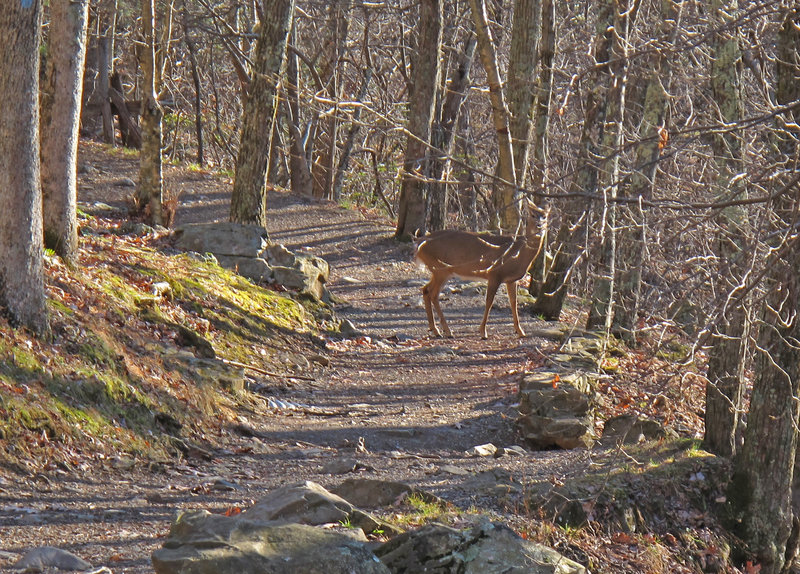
pixel 198 114
pixel 544 90
pixel 576 212
pixel 22 296
pixel 443 136
pixel 601 311
pixel 350 140
pixel 299 169
pixel 60 102
pixel 323 168
pixel 150 189
pixel 632 244
pixel 249 199
pixel 412 214
pixel 506 190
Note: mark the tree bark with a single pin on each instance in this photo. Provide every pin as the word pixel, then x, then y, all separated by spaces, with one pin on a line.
pixel 411 220
pixel 299 168
pixel 22 296
pixel 444 131
pixel 576 211
pixel 324 166
pixel 249 199
pixel 60 102
pixel 725 374
pixel 150 189
pixel 198 114
pixel 521 86
pixel 601 310
pixel 506 190
pixel 760 494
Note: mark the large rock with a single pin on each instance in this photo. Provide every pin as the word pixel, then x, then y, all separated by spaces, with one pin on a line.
pixel 556 410
pixel 222 238
pixel 309 503
pixel 254 268
pixel 487 548
pixel 308 275
pixel 204 543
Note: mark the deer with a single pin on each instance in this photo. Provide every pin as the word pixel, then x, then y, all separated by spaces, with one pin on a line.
pixel 494 258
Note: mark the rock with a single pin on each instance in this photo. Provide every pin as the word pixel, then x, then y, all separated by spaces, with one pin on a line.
pixel 495 481
pixel 280 255
pixel 98 209
pixel 124 182
pixel 563 432
pixel 39 559
pixel 375 493
pixel 340 466
pixel 308 275
pixel 347 329
pixel 222 238
pixel 204 543
pixel 486 548
pixel 451 469
pixel 630 429
pixel 254 268
pixel 136 228
pixel 487 449
pixel 309 503
pixel 556 411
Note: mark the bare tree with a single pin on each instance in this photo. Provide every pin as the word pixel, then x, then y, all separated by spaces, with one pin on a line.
pixel 412 214
pixel 60 116
pixel 21 274
pixel 150 188
pixel 249 200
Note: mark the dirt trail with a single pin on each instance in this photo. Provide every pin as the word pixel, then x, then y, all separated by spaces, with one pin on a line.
pixel 414 404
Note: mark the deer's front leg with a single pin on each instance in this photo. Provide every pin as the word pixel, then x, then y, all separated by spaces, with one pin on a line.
pixel 491 291
pixel 511 287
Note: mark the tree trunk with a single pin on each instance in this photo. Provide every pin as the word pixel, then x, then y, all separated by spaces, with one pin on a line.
pixel 521 86
pixel 726 357
pixel 22 296
pixel 60 108
pixel 544 90
pixel 601 310
pixel 350 140
pixel 576 211
pixel 506 190
pixel 411 220
pixel 149 192
pixel 444 132
pixel 323 168
pixel 249 199
pixel 299 168
pixel 760 494
pixel 198 114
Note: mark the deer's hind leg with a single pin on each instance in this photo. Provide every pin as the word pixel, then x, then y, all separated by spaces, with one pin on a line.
pixel 430 294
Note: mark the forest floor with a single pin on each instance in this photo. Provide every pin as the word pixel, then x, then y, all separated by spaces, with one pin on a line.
pixel 402 405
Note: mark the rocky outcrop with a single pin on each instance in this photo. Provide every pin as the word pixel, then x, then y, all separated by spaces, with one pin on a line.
pixel 486 548
pixel 278 535
pixel 204 543
pixel 247 250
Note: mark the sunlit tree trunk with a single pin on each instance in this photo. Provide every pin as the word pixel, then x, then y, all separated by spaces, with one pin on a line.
pixel 60 118
pixel 150 189
pixel 249 199
pixel 726 356
pixel 22 297
pixel 505 191
pixel 521 85
pixel 425 78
